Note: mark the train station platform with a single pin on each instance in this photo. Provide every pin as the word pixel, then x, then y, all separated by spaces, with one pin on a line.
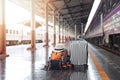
pixel 23 64
pixel 32 22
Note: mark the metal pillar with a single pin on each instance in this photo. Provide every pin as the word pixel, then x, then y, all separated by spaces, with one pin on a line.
pixel 54 30
pixel 75 32
pixel 62 30
pixel 59 28
pixel 46 17
pixel 69 34
pixel 65 34
pixel 2 30
pixel 33 41
pixel 102 28
pixel 81 30
pixel 101 20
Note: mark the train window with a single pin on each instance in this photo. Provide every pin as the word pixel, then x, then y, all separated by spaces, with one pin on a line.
pixel 6 30
pixel 10 31
pixel 28 33
pixel 13 31
pixel 16 32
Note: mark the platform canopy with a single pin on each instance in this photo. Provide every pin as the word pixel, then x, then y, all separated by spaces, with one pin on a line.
pixel 28 23
pixel 72 11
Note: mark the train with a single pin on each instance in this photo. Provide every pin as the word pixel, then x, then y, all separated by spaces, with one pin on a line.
pixel 104 29
pixel 21 34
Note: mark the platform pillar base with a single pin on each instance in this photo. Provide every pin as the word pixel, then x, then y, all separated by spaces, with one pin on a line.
pixel 3 56
pixel 31 49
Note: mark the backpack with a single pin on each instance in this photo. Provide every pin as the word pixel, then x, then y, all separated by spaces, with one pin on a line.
pixel 56 55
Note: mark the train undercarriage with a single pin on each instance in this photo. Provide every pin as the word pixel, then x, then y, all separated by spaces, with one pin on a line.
pixel 113 42
pixel 16 42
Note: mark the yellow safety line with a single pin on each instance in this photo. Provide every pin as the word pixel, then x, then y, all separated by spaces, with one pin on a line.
pixel 102 73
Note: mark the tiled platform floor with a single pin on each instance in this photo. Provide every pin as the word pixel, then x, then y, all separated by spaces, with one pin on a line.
pixel 26 65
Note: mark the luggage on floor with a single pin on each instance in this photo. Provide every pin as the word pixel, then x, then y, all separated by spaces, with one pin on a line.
pixel 59 59
pixel 55 64
pixel 79 52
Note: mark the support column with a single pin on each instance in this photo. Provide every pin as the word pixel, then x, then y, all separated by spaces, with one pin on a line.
pixel 101 22
pixel 33 40
pixel 81 30
pixel 54 30
pixel 46 18
pixel 65 33
pixel 2 30
pixel 69 36
pixel 47 37
pixel 75 33
pixel 59 28
pixel 62 30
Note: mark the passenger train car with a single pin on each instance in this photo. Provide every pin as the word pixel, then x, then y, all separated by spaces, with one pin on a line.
pixel 104 29
pixel 20 34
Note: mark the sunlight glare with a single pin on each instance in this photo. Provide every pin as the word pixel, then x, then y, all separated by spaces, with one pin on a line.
pixel 15 14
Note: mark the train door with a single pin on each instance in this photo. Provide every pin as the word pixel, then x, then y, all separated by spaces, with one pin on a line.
pixel 111 41
pixel 117 42
pixel 106 40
